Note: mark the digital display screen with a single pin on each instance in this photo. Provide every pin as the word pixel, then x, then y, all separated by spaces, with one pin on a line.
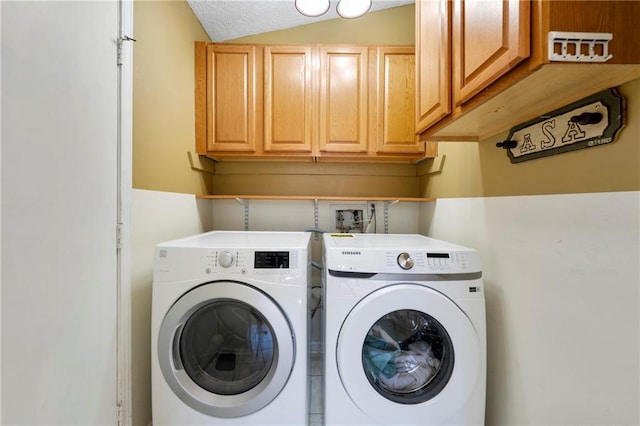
pixel 271 260
pixel 438 255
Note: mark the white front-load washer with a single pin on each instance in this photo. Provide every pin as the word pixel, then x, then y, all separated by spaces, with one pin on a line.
pixel 229 329
pixel 405 337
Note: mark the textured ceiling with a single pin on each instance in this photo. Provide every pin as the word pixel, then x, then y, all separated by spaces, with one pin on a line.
pixel 229 19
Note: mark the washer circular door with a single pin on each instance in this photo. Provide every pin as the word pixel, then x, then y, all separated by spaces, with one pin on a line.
pixel 407 350
pixel 226 349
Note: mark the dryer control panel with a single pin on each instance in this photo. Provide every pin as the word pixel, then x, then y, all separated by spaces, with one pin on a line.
pixel 445 261
pixel 404 254
pixel 428 262
pixel 410 262
pixel 434 261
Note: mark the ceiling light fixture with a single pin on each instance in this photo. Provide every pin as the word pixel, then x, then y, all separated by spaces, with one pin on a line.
pixel 353 8
pixel 312 7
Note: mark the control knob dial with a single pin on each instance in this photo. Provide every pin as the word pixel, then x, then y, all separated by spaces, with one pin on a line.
pixel 405 261
pixel 225 259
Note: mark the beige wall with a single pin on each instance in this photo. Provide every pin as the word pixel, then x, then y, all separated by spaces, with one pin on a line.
pixel 481 169
pixel 163 97
pixel 561 282
pixel 389 26
pixel 156 217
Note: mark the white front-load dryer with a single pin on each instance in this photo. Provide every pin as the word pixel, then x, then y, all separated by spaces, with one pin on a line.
pixel 405 335
pixel 229 329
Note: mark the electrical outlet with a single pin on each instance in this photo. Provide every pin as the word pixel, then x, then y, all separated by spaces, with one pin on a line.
pixel 350 218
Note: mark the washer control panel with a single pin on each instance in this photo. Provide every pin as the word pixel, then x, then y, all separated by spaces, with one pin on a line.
pixel 254 262
pixel 282 258
pixel 271 260
pixel 282 266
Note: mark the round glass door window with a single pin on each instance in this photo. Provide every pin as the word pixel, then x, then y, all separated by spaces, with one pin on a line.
pixel 408 356
pixel 227 347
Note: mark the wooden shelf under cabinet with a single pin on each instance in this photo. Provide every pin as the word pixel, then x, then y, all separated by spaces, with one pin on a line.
pixel 312 197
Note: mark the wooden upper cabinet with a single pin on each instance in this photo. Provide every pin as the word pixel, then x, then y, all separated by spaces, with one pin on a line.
pixel 490 37
pixel 501 70
pixel 306 102
pixel 433 61
pixel 231 98
pixel 395 105
pixel 343 103
pixel 288 99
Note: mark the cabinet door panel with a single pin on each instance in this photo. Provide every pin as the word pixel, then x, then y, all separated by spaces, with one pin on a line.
pixel 396 101
pixel 433 62
pixel 287 99
pixel 490 37
pixel 343 99
pixel 231 98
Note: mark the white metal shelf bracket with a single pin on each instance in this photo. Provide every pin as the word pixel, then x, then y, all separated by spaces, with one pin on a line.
pixel 315 218
pixel 388 204
pixel 245 203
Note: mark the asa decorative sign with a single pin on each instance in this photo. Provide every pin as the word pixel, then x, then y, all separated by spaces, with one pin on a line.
pixel 592 121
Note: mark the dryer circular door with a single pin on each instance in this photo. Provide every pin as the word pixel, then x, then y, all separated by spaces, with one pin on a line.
pixel 226 349
pixel 407 350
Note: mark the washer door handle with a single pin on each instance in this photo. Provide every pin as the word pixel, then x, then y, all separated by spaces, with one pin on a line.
pixel 175 347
